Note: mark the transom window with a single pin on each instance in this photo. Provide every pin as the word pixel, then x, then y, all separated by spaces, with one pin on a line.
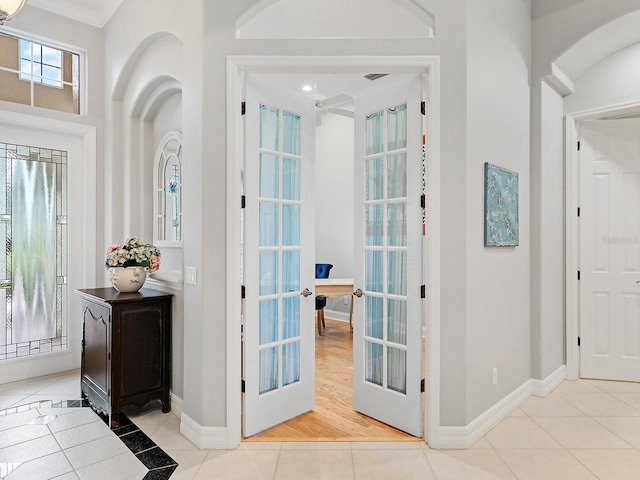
pixel 40 64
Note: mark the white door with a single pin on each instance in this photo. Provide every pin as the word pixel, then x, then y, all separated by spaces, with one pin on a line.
pixel 610 249
pixel 387 351
pixel 279 271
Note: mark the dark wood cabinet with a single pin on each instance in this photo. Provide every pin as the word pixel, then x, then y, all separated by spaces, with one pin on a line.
pixel 126 349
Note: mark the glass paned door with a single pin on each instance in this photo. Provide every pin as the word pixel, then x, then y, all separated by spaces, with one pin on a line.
pixel 278 323
pixel 33 263
pixel 388 254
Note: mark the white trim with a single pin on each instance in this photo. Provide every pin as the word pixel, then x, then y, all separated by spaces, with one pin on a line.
pixel 542 388
pixel 336 315
pixel 465 437
pixel 237 67
pixel 572 243
pixel 205 438
pixel 177 405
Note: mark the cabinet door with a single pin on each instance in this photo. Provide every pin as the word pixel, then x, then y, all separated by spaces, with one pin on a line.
pixel 140 348
pixel 96 365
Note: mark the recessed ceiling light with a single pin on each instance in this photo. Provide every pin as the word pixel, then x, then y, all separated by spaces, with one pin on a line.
pixel 307 88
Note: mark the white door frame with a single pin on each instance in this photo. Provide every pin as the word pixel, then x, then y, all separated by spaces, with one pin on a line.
pixel 572 240
pixel 237 68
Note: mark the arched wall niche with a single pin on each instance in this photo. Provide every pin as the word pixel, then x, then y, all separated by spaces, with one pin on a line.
pixel 310 19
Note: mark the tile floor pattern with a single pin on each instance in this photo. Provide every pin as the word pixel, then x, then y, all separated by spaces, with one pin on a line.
pixel 584 430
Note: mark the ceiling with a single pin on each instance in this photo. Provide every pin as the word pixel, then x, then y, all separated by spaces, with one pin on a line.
pixel 93 12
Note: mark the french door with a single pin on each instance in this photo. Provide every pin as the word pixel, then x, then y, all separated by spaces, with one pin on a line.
pixel 279 274
pixel 387 363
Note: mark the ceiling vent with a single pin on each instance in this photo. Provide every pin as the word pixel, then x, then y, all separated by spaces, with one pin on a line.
pixel 375 76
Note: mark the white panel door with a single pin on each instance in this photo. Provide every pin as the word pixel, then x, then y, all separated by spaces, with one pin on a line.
pixel 610 249
pixel 387 359
pixel 279 270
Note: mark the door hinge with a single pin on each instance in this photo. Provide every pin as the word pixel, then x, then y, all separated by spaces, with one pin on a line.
pixel 578 211
pixel 423 108
pixel 242 386
pixel 578 145
pixel 422 385
pixel 109 356
pixel 578 341
pixel 423 291
pixel 243 292
pixel 423 201
pixel 109 392
pixel 243 108
pixel 578 274
pixel 243 201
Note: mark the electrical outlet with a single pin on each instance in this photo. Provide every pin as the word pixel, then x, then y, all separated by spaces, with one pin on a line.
pixel 191 275
pixel 495 375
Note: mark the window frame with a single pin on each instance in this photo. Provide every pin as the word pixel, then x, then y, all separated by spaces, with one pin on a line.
pixel 40 79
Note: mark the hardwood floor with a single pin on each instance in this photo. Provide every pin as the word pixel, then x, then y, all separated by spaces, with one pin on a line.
pixel 334 418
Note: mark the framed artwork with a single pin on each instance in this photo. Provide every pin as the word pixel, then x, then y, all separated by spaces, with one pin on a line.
pixel 501 227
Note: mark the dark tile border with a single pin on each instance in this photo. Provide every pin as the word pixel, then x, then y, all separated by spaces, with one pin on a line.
pixel 160 465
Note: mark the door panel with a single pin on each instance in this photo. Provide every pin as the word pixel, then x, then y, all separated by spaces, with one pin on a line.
pixel 610 249
pixel 388 254
pixel 278 322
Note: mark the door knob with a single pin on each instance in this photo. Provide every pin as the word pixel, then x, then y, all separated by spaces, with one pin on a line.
pixel 358 293
pixel 306 292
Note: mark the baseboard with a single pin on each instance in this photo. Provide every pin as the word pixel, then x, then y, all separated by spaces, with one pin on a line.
pixel 206 438
pixel 465 437
pixel 542 388
pixel 177 405
pixel 336 315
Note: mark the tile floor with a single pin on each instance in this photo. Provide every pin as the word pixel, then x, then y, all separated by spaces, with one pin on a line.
pixel 583 430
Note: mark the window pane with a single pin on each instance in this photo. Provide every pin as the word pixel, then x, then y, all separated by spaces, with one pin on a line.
pixel 374 134
pixel 373 268
pixel 268 369
pixel 374 178
pixel 268 273
pixel 51 56
pixel 291 225
pixel 397 127
pixel 290 363
pixel 373 317
pixel 291 133
pixel 25 49
pixel 397 224
pixel 291 271
pixel 268 176
pixel 268 321
pixel 290 317
pixel 373 363
pixel 373 225
pixel 397 369
pixel 52 73
pixel 269 127
pixel 397 176
pixel 268 224
pixel 290 179
pixel 397 281
pixel 397 321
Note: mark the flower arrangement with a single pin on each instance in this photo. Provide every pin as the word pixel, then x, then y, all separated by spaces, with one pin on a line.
pixel 133 253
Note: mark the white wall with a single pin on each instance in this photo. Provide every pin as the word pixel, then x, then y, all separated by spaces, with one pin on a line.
pixel 498 295
pixel 334 198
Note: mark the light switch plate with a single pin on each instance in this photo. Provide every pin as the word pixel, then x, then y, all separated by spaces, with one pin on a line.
pixel 191 275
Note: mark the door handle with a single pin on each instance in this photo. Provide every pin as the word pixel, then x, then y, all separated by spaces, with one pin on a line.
pixel 306 292
pixel 358 293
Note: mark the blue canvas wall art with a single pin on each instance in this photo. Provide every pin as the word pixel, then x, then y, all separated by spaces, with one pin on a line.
pixel 501 227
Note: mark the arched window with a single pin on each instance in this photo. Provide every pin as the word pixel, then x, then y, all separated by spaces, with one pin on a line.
pixel 167 203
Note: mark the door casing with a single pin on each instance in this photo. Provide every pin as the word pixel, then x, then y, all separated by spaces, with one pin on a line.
pixel 237 68
pixel 572 244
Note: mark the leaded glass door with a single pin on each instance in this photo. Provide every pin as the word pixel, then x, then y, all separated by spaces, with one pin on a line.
pixel 388 255
pixel 33 263
pixel 279 335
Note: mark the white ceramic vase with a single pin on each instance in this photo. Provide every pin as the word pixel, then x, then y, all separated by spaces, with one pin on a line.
pixel 127 279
